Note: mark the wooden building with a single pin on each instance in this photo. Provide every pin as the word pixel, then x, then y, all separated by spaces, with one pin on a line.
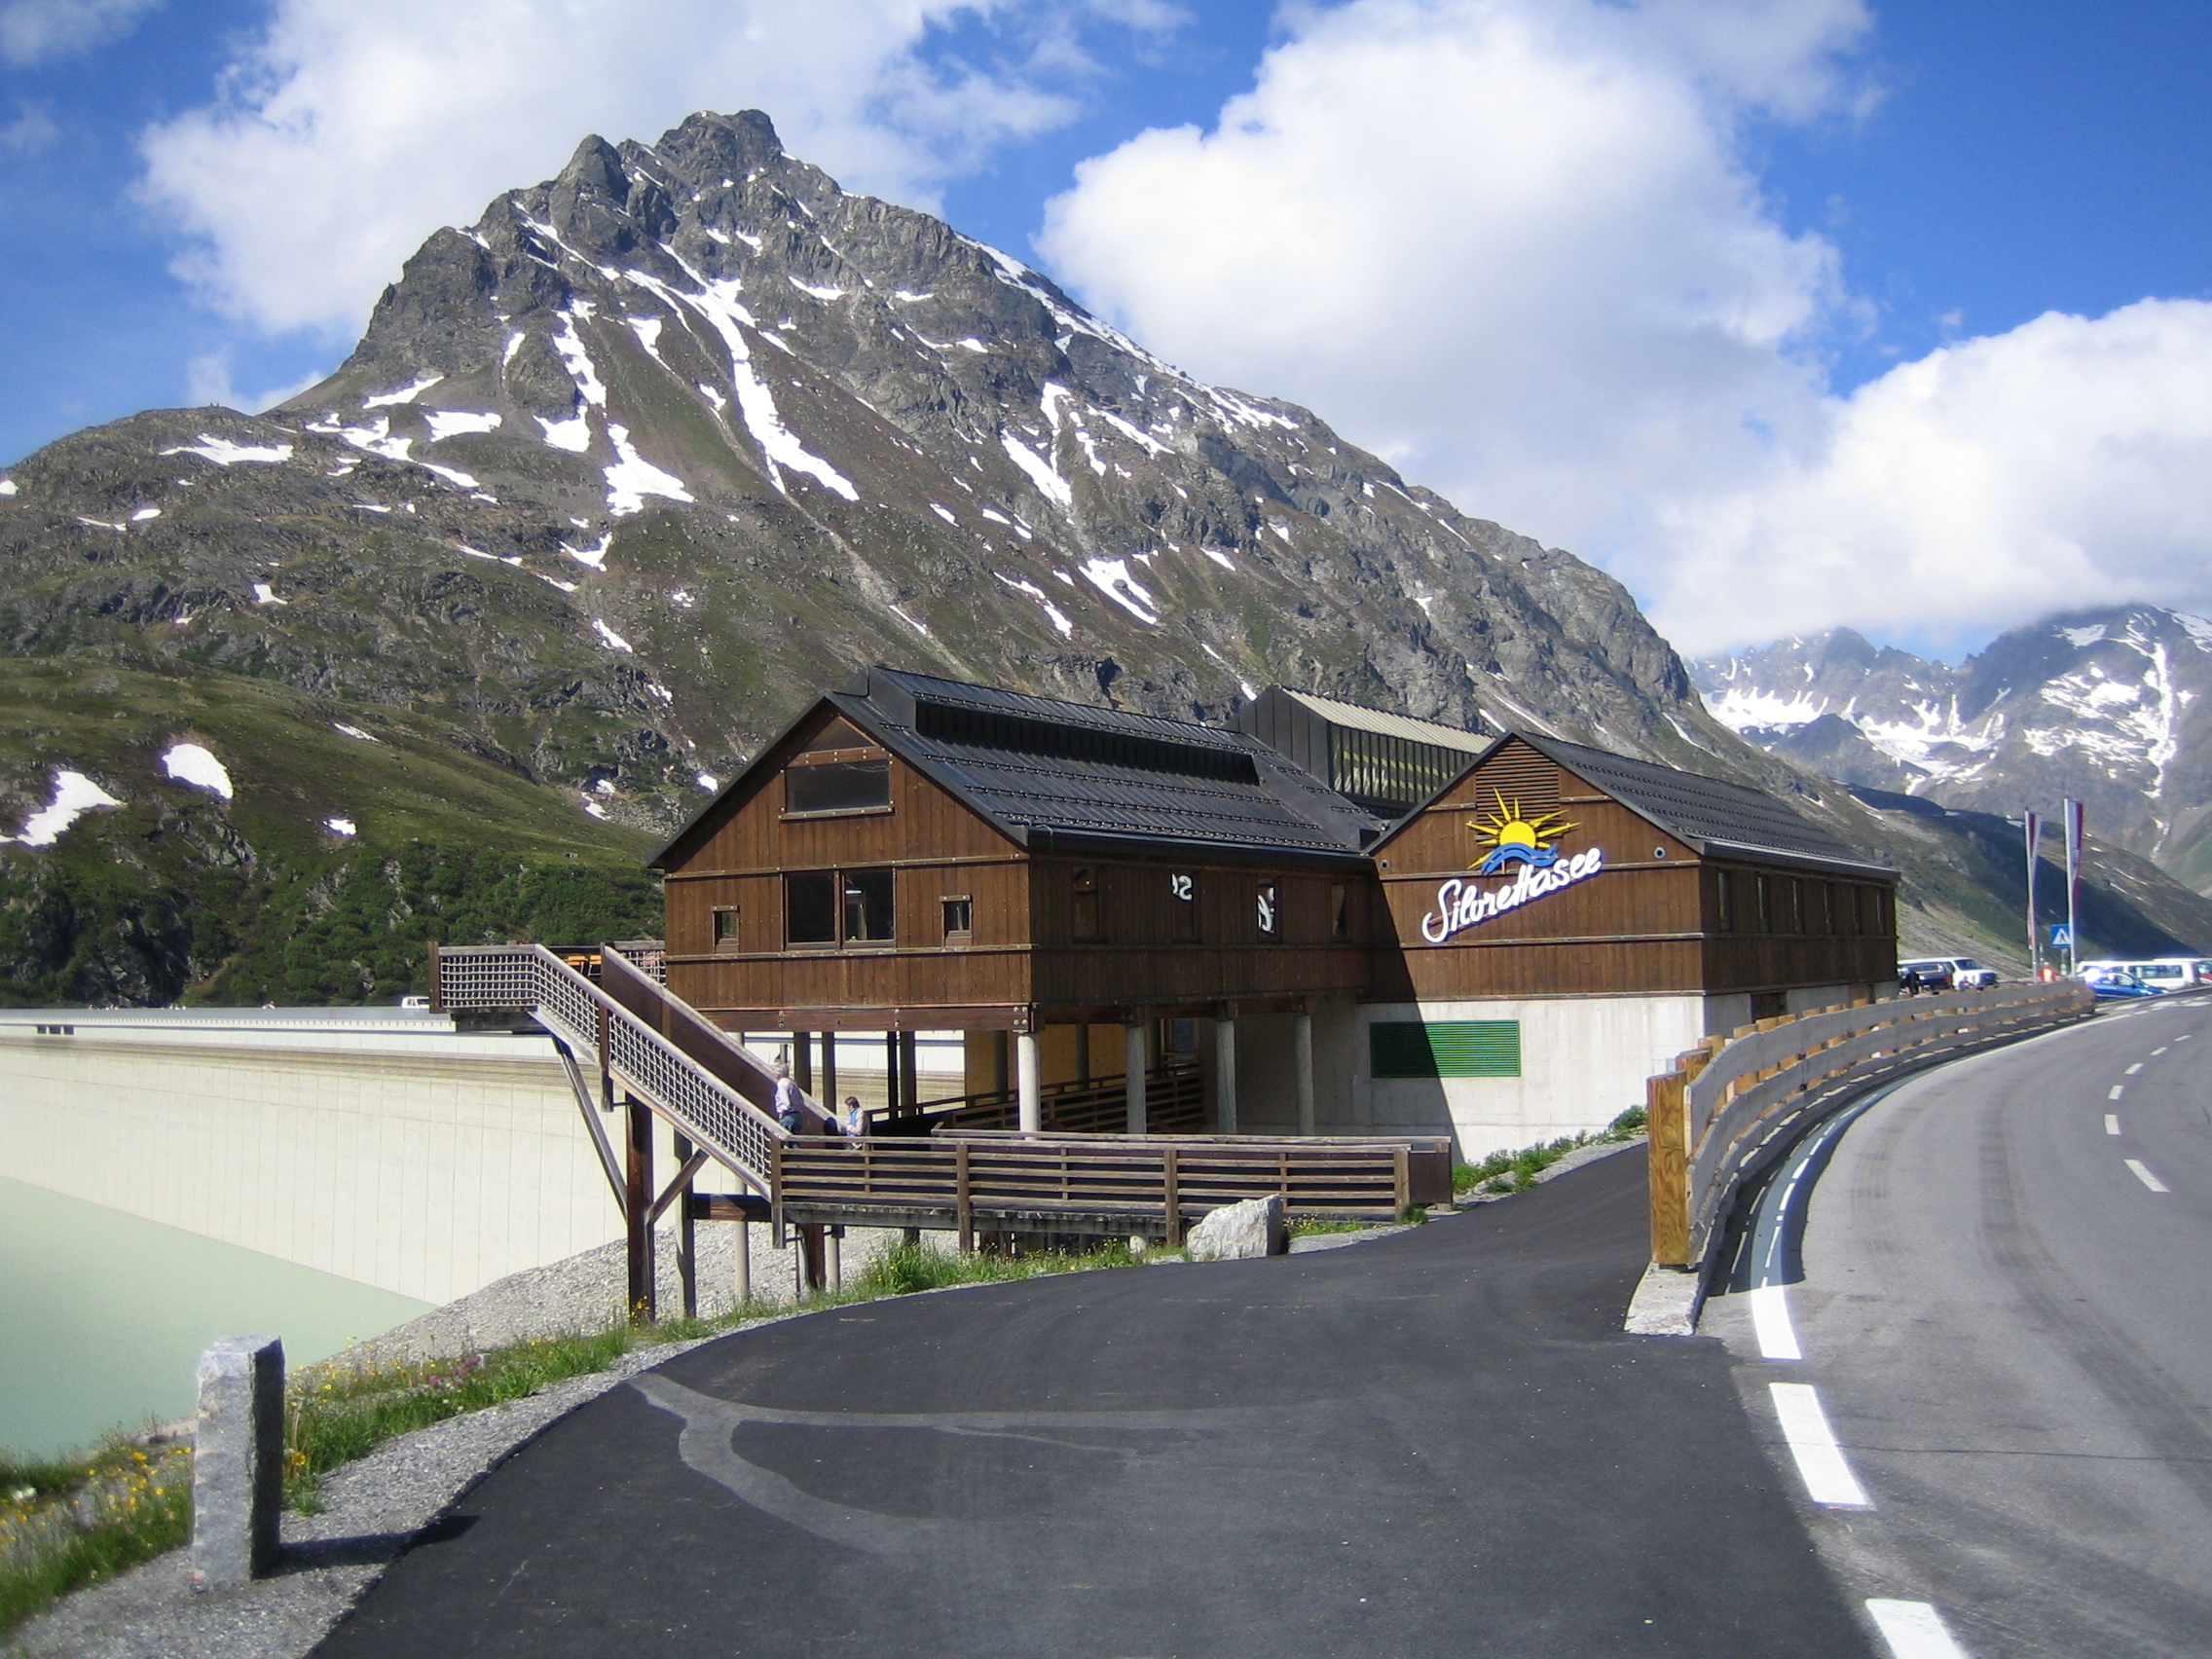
pixel 1415 929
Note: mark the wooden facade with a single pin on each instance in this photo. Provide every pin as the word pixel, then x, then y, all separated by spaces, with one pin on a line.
pixel 985 934
pixel 841 884
pixel 1659 916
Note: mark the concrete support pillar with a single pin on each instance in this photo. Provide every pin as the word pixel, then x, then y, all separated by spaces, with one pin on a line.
pixel 891 1101
pixel 237 1461
pixel 1133 1057
pixel 1302 1057
pixel 744 1260
pixel 1225 1073
pixel 1028 1066
pixel 910 1071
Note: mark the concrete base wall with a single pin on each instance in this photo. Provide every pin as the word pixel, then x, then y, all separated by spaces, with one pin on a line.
pixel 430 1165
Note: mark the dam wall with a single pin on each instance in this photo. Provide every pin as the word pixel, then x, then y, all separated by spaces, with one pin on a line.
pixel 381 1145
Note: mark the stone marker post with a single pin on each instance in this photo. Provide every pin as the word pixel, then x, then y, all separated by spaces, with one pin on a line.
pixel 237 1461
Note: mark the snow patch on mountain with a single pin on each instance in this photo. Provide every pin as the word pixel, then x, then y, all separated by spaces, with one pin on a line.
pixel 405 394
pixel 224 452
pixel 1111 577
pixel 73 796
pixel 452 422
pixel 192 763
pixel 631 478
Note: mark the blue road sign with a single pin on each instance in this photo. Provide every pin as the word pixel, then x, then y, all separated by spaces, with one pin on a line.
pixel 2062 938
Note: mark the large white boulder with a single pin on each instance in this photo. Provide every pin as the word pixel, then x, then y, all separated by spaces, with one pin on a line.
pixel 1254 1228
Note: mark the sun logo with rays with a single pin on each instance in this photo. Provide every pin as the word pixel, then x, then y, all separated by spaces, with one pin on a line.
pixel 1511 837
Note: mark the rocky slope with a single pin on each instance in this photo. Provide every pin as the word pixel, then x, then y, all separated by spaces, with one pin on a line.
pixel 2107 707
pixel 621 474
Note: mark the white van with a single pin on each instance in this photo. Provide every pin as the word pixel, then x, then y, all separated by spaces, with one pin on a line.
pixel 2172 972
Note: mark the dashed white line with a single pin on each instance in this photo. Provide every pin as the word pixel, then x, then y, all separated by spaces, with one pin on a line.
pixel 2159 1050
pixel 1821 1464
pixel 1914 1630
pixel 2185 1036
pixel 2112 1124
pixel 2133 1069
pixel 2116 1090
pixel 1770 1318
pixel 2145 1176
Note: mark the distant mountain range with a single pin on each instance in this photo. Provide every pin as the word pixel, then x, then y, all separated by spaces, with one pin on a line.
pixel 617 478
pixel 2108 706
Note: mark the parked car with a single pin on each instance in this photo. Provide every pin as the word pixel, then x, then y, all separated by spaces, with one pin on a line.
pixel 1951 973
pixel 2171 975
pixel 2111 983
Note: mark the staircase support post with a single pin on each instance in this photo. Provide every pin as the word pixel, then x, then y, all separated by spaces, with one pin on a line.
pixel 638 1213
pixel 686 1239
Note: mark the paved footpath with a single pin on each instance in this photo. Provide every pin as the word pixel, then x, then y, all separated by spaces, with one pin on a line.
pixel 1437 1443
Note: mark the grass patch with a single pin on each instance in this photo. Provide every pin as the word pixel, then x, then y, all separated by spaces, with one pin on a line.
pixel 68 1523
pixel 1517 1172
pixel 1311 1228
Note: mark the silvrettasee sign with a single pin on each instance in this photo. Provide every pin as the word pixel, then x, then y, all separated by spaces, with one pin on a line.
pixel 1512 839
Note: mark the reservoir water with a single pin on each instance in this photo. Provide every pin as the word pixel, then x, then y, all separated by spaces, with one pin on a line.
pixel 103 1315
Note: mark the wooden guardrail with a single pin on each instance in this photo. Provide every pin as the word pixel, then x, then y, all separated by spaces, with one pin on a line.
pixel 1148 1185
pixel 1732 1106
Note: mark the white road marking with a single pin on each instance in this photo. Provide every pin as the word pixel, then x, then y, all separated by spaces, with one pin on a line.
pixel 1914 1630
pixel 2112 1124
pixel 2185 1036
pixel 1821 1464
pixel 2146 1178
pixel 1770 1317
pixel 2117 1090
pixel 2133 1069
pixel 2159 1050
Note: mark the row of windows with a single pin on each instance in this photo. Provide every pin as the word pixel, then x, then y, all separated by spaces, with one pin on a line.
pixel 1750 903
pixel 858 906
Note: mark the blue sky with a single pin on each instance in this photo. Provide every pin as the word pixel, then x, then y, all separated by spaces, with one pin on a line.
pixel 1866 187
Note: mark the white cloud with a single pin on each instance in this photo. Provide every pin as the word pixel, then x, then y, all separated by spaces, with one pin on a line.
pixel 1518 247
pixel 41 31
pixel 2065 463
pixel 345 132
pixel 207 379
pixel 1508 243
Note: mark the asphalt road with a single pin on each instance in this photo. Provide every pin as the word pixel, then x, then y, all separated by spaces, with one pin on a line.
pixel 1439 1442
pixel 2009 1330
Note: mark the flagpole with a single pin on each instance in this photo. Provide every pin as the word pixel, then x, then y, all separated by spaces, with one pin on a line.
pixel 2031 830
pixel 2076 825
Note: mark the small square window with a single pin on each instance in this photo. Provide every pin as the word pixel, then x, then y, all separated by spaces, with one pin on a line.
pixel 725 926
pixel 959 917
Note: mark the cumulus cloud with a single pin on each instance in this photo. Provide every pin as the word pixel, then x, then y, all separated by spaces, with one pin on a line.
pixel 41 31
pixel 1517 247
pixel 2065 463
pixel 1511 244
pixel 345 132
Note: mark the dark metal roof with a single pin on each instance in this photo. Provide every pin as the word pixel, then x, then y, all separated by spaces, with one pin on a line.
pixel 1710 814
pixel 1046 771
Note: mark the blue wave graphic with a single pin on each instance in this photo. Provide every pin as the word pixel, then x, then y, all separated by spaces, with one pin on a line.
pixel 1543 857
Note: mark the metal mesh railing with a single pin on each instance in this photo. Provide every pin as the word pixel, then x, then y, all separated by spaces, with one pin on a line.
pixel 704 1108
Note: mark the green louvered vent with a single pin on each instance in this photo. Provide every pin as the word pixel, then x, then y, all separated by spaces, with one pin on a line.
pixel 1450 1048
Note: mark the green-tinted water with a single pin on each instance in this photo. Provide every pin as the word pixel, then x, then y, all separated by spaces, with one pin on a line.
pixel 102 1316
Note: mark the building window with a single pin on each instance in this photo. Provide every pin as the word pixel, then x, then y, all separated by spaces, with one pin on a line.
pixel 959 918
pixel 1183 901
pixel 1086 903
pixel 725 926
pixel 1340 912
pixel 1766 916
pixel 1828 906
pixel 1796 918
pixel 810 907
pixel 1725 908
pixel 868 906
pixel 1268 910
pixel 837 785
pixel 1450 1048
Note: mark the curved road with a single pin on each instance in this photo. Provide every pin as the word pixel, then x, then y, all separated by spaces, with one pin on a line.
pixel 1437 1443
pixel 2006 1319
